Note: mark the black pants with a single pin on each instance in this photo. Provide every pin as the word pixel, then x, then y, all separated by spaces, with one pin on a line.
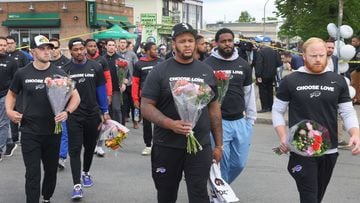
pixel 36 148
pixel 147 132
pixel 128 105
pixel 312 175
pixel 266 93
pixel 14 126
pixel 82 131
pixel 14 131
pixel 168 165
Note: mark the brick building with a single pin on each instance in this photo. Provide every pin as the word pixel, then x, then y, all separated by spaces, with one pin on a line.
pixel 61 19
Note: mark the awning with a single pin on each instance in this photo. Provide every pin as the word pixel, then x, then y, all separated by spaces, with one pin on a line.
pixel 115 32
pixel 32 20
pixel 127 25
pixel 105 20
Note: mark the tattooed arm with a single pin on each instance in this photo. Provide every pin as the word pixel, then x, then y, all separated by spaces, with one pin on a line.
pixel 216 128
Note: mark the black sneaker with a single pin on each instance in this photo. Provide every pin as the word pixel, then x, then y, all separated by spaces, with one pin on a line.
pixel 0 157
pixel 10 150
pixel 46 201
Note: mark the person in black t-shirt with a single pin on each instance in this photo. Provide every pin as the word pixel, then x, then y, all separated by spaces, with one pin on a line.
pixel 8 67
pixel 59 60
pixel 238 108
pixel 141 69
pixel 314 93
pixel 21 61
pixel 16 54
pixel 83 124
pixel 38 141
pixel 168 157
pixel 201 51
pixel 93 54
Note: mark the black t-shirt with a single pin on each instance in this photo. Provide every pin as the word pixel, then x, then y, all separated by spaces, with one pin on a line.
pixel 104 64
pixel 142 68
pixel 111 60
pixel 61 62
pixel 38 116
pixel 157 88
pixel 233 106
pixel 20 58
pixel 8 67
pixel 314 97
pixel 88 77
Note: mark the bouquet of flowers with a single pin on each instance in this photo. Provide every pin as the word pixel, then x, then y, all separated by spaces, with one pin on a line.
pixel 113 134
pixel 308 138
pixel 58 89
pixel 222 83
pixel 190 98
pixel 121 70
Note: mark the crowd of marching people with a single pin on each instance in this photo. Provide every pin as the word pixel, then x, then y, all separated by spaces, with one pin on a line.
pixel 142 93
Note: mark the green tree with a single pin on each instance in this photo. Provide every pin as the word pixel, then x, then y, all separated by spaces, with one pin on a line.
pixel 245 17
pixel 309 18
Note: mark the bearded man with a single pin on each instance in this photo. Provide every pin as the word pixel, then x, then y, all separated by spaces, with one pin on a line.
pixel 328 97
pixel 237 119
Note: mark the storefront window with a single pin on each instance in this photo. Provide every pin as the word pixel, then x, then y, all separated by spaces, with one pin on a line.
pixel 23 35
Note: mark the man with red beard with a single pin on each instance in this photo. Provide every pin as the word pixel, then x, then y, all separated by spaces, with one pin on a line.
pixel 93 54
pixel 317 94
pixel 141 69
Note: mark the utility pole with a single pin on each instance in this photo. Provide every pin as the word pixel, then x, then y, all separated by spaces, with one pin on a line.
pixel 340 18
pixel 264 17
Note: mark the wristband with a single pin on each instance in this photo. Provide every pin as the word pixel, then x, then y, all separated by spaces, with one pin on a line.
pixel 68 112
pixel 221 147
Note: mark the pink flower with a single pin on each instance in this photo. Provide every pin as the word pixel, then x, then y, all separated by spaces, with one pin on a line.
pixel 316 133
pixel 310 151
pixel 311 134
pixel 309 126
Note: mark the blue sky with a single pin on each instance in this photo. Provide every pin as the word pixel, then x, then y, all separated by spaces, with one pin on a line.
pixel 218 10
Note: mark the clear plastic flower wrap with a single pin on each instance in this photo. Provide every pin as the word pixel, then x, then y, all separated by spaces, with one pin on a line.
pixel 59 89
pixel 121 69
pixel 309 138
pixel 190 98
pixel 112 134
pixel 222 83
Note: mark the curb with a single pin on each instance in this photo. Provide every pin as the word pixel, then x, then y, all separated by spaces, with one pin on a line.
pixel 267 121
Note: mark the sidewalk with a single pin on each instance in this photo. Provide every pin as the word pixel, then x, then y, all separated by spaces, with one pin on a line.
pixel 265 118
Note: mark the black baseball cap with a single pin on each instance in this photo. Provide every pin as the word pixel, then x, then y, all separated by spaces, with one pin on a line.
pixel 75 41
pixel 182 28
pixel 39 41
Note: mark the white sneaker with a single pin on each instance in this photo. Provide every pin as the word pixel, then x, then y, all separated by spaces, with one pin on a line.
pixel 99 151
pixel 61 164
pixel 146 151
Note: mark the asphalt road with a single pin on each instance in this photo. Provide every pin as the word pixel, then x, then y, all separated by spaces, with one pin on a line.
pixel 126 177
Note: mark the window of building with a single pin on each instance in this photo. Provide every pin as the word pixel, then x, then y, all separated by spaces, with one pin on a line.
pixel 175 6
pixel 23 35
pixel 165 8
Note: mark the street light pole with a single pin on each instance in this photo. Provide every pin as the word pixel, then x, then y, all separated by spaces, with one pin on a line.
pixel 264 17
pixel 340 18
